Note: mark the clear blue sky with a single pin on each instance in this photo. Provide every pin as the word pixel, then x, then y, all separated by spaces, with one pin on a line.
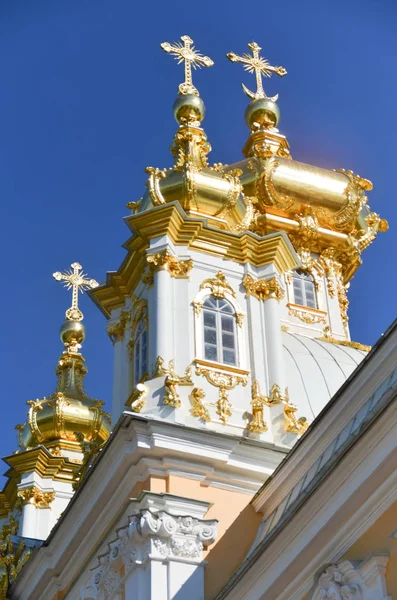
pixel 85 105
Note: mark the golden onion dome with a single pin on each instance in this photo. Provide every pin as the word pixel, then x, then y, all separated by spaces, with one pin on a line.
pixel 68 419
pixel 213 192
pixel 68 413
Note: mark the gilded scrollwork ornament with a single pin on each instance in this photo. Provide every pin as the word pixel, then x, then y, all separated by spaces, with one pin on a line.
pixel 136 400
pixel 171 396
pixel 198 409
pixel 218 286
pixel 262 289
pixel 176 267
pixel 116 330
pixel 153 184
pixel 13 555
pixel 224 382
pixel 292 424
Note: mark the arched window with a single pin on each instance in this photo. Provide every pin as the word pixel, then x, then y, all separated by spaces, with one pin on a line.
pixel 140 351
pixel 304 289
pixel 219 322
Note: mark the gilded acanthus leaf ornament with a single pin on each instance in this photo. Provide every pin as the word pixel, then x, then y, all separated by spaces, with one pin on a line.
pixel 258 65
pixel 117 329
pixel 218 286
pixel 186 52
pixel 262 289
pixel 176 267
pixel 39 498
pixel 75 280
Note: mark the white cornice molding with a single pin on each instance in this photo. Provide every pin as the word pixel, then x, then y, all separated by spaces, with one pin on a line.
pixel 139 448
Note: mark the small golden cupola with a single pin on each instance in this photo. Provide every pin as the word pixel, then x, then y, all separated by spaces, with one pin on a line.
pixel 68 421
pixel 202 190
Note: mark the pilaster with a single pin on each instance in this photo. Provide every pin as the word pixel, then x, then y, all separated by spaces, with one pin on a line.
pixel 158 553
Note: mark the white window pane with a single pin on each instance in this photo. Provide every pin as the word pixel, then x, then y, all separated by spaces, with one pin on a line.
pixel 211 302
pixel 210 352
pixel 229 357
pixel 209 318
pixel 228 340
pixel 227 323
pixel 210 336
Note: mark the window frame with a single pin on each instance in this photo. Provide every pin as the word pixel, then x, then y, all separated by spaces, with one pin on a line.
pixel 302 276
pixel 140 331
pixel 238 315
pixel 220 315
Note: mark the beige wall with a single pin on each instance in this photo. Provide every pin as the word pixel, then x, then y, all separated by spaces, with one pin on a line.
pixel 237 525
pixel 376 540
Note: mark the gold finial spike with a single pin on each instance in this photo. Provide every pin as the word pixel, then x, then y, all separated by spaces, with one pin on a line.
pixel 186 52
pixel 258 65
pixel 76 280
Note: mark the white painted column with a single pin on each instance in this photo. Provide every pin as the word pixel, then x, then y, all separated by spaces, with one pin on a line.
pixel 257 341
pixel 274 343
pixel 163 325
pixel 28 523
pixel 275 363
pixel 122 379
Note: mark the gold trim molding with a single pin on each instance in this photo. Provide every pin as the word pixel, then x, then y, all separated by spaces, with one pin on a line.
pixel 306 314
pixel 33 495
pixel 262 289
pixel 170 219
pixel 327 337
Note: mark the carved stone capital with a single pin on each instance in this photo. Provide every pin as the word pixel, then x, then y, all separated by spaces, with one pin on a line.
pixel 175 266
pixel 117 329
pixel 150 535
pixel 35 496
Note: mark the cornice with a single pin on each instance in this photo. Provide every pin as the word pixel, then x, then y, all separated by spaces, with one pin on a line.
pixel 42 462
pixel 171 220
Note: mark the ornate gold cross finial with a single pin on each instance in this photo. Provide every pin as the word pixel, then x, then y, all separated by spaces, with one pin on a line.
pixel 187 53
pixel 75 280
pixel 260 66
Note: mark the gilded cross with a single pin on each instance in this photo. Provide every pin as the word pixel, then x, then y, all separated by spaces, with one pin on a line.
pixel 186 52
pixel 258 65
pixel 75 280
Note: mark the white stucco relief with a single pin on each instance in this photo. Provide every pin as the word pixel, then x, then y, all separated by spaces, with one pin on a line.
pixel 345 581
pixel 150 537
